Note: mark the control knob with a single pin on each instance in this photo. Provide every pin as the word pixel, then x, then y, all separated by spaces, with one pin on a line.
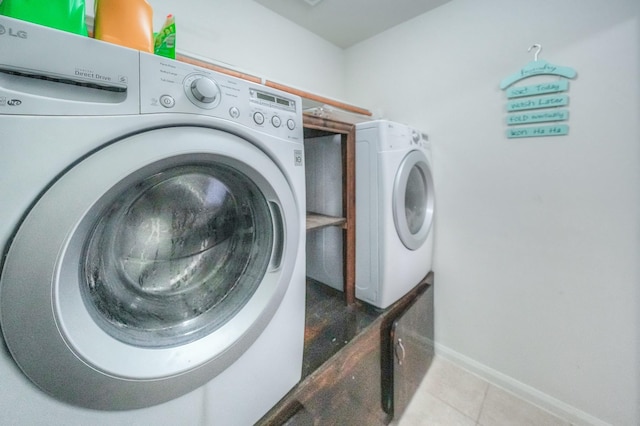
pixel 205 90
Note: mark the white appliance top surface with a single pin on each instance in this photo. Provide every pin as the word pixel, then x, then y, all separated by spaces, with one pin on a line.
pixel 391 136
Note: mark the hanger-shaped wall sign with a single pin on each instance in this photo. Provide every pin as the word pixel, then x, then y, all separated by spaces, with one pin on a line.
pixel 537 67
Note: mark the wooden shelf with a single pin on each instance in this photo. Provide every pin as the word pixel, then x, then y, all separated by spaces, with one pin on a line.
pixel 317 221
pixel 315 126
pixel 317 98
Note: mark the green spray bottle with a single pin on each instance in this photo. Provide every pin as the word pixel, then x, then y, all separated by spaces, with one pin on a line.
pixel 165 39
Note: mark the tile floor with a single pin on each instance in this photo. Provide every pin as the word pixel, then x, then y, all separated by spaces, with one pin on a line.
pixel 451 396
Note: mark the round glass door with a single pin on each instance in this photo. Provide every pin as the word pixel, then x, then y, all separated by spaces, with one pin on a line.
pixel 176 255
pixel 150 277
pixel 413 200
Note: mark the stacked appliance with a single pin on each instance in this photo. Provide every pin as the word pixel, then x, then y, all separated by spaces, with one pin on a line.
pixel 395 203
pixel 152 234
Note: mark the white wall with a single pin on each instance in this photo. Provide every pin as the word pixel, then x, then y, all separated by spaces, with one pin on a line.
pixel 537 240
pixel 249 37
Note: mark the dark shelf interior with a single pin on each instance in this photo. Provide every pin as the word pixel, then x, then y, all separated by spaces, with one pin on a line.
pixel 330 324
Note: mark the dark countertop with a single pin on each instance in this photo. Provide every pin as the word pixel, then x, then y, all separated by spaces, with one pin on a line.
pixel 342 378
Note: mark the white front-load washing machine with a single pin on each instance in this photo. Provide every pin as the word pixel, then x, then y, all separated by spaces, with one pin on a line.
pixel 394 210
pixel 152 232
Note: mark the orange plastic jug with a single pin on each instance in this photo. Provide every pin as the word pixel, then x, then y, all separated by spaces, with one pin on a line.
pixel 125 22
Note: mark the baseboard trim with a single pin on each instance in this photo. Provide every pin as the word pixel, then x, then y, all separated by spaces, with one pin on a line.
pixel 526 392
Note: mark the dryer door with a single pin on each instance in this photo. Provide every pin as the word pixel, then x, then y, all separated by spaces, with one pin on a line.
pixel 149 267
pixel 413 200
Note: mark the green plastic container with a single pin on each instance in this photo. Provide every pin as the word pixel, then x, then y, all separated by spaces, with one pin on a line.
pixel 65 15
pixel 165 39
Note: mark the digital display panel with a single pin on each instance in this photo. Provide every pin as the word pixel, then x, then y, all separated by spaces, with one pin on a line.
pixel 265 97
pixel 275 100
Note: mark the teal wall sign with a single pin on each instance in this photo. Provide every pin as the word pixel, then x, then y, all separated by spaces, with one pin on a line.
pixel 538 102
pixel 538 89
pixel 531 132
pixel 538 117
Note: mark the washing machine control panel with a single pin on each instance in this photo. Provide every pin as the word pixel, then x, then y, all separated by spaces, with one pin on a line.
pixel 419 139
pixel 396 136
pixel 273 108
pixel 169 86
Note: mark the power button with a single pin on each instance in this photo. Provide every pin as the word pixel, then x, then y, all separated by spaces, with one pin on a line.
pixel 167 101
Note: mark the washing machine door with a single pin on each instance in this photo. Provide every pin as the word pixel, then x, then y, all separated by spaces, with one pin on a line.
pixel 148 267
pixel 413 200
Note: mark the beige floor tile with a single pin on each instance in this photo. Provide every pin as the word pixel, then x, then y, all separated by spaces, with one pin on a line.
pixel 455 386
pixel 502 408
pixel 427 410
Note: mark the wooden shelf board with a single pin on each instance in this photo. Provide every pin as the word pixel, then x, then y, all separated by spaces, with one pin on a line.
pixel 318 98
pixel 200 63
pixel 316 221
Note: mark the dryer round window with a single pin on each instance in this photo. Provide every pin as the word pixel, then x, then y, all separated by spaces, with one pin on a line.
pixel 413 200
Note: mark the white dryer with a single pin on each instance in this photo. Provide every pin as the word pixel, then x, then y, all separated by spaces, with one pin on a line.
pixel 152 233
pixel 394 211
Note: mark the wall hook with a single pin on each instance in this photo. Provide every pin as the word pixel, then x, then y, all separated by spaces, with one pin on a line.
pixel 535 46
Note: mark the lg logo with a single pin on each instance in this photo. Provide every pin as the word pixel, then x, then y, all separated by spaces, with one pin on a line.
pixel 10 102
pixel 12 33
